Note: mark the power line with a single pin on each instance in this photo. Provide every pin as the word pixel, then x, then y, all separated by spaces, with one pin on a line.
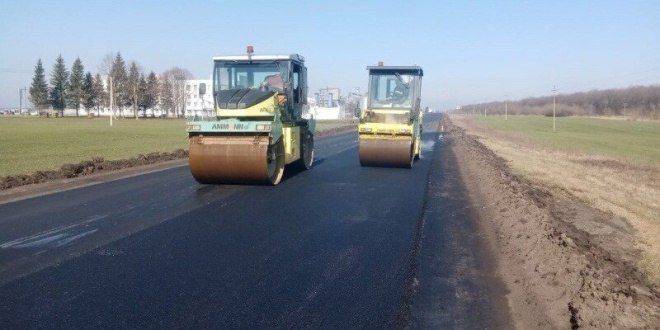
pixel 11 70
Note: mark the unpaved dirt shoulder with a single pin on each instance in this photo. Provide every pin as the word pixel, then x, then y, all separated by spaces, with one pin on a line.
pixel 556 274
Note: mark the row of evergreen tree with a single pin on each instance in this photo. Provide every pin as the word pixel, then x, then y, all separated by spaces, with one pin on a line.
pixel 131 88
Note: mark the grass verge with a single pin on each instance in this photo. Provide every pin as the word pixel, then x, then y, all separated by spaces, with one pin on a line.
pixel 33 144
pixel 35 150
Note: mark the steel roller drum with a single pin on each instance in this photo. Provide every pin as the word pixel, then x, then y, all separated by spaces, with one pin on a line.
pixel 230 159
pixel 386 151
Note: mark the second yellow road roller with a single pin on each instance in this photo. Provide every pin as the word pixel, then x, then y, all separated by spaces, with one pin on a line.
pixel 391 126
pixel 257 128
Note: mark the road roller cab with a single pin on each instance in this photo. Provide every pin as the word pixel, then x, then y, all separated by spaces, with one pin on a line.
pixel 390 127
pixel 257 128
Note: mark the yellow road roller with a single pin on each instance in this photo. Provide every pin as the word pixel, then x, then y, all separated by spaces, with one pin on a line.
pixel 258 126
pixel 391 126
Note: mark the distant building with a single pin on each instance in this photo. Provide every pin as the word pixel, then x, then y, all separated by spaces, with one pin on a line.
pixel 329 104
pixel 328 97
pixel 199 98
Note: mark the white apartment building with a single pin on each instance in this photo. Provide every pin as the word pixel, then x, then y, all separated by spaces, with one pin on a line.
pixel 199 98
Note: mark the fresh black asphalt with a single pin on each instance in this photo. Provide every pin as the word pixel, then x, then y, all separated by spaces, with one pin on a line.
pixel 336 246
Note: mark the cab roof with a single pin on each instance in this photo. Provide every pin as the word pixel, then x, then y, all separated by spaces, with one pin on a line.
pixel 291 57
pixel 412 69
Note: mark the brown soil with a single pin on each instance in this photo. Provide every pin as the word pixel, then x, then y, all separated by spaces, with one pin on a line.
pixel 88 167
pixel 566 265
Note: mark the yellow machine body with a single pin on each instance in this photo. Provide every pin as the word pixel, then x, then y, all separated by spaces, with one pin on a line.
pixel 389 144
pixel 291 136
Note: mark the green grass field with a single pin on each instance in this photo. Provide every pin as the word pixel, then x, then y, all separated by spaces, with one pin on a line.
pixel 31 144
pixel 638 141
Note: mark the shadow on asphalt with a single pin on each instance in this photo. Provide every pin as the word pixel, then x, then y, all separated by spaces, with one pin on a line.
pixel 292 171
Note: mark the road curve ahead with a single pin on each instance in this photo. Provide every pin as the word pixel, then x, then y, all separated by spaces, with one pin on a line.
pixel 336 246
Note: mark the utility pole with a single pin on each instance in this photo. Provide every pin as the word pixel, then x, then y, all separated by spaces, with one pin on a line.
pixel 506 108
pixel 554 108
pixel 112 97
pixel 135 101
pixel 20 100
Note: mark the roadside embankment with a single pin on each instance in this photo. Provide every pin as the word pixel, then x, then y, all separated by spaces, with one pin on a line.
pixel 565 262
pixel 610 165
pixel 95 165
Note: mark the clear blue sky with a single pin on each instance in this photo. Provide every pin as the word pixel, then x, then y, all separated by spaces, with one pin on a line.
pixel 471 51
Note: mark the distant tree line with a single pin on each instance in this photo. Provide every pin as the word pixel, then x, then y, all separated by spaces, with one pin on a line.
pixel 636 101
pixel 132 88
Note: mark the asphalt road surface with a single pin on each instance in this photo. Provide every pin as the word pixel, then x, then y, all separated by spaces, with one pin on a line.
pixel 336 246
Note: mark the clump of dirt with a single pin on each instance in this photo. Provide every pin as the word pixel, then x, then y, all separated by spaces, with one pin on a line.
pixel 88 167
pixel 560 270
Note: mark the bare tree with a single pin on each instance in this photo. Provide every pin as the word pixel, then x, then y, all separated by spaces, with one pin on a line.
pixel 635 101
pixel 176 78
pixel 104 68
